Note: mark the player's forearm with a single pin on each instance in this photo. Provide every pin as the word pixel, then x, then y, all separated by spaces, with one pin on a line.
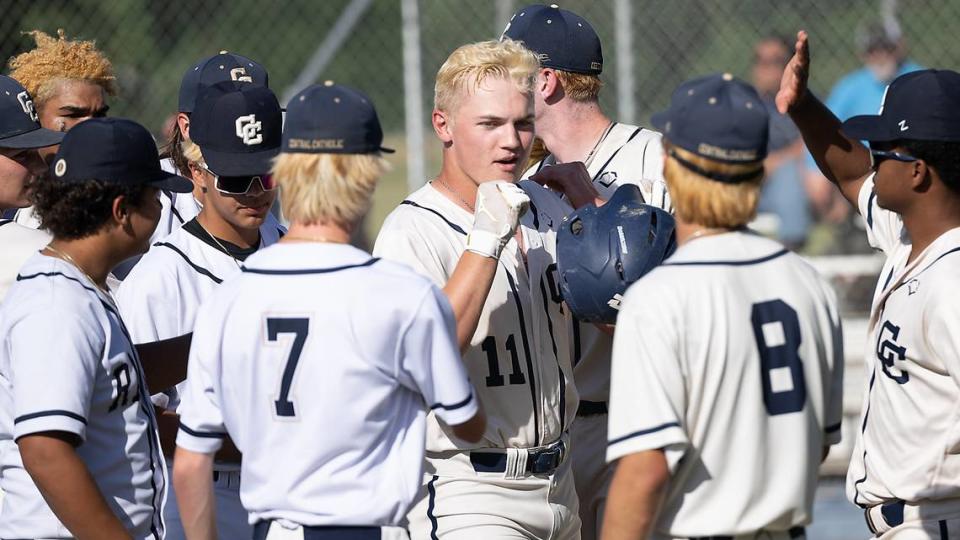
pixel 70 491
pixel 193 481
pixel 165 362
pixel 467 290
pixel 842 160
pixel 636 493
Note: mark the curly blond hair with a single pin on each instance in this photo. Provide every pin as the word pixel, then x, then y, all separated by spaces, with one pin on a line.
pixel 57 59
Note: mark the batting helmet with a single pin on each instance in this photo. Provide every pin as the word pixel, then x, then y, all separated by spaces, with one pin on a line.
pixel 602 251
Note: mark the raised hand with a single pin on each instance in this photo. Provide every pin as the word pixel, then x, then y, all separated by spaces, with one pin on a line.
pixel 793 84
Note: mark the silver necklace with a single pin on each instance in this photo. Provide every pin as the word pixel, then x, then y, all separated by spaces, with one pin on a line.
pixel 67 258
pixel 222 247
pixel 455 194
pixel 593 151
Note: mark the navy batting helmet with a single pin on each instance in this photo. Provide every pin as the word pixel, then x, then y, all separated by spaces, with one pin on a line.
pixel 602 251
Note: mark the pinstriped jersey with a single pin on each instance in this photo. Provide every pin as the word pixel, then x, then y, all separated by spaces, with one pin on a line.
pixel 908 445
pixel 628 155
pixel 519 356
pixel 328 376
pixel 68 364
pixel 729 356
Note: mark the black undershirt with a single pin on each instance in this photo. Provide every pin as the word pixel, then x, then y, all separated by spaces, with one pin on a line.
pixel 193 227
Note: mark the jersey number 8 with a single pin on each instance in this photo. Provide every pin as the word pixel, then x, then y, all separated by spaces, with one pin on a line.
pixel 776 329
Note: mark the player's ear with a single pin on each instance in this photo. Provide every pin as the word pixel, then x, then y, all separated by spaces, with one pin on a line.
pixel 547 83
pixel 198 177
pixel 442 125
pixel 120 211
pixel 920 175
pixel 183 124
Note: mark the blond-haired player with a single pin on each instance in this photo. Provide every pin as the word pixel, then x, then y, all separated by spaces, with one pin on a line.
pixel 324 383
pixel 468 230
pixel 727 359
pixel 69 81
pixel 575 130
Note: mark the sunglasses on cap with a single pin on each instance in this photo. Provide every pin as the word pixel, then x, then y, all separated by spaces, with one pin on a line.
pixel 879 156
pixel 240 185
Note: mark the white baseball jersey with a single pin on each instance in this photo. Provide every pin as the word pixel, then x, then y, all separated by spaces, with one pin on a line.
pixel 628 155
pixel 323 382
pixel 27 217
pixel 907 447
pixel 519 356
pixel 176 208
pixel 729 356
pixel 19 244
pixel 68 364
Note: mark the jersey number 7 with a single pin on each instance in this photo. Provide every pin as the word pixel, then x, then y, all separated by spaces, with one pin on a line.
pixel 299 327
pixel 776 328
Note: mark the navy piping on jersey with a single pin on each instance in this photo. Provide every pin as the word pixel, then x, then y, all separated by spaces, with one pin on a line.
pixel 617 151
pixel 944 533
pixel 863 428
pixel 452 225
pixel 576 341
pixel 5 221
pixel 935 261
pixel 553 343
pixel 455 406
pixel 834 428
pixel 536 216
pixel 431 505
pixel 647 431
pixel 273 272
pixel 526 351
pixel 873 195
pixel 173 208
pixel 730 263
pixel 52 412
pixel 200 270
pixel 202 434
pixel 143 397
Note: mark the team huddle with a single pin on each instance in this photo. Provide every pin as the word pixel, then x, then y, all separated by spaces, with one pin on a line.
pixel 586 344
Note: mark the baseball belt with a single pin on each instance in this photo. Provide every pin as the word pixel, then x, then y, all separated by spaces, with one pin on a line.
pixel 262 528
pixel 591 408
pixel 794 532
pixel 543 460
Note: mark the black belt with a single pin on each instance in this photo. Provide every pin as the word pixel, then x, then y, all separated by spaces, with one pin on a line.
pixel 261 528
pixel 892 513
pixel 540 461
pixel 794 532
pixel 592 408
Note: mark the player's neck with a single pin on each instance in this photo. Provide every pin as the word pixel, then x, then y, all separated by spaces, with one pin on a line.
pixel 95 255
pixel 688 232
pixel 219 227
pixel 317 232
pixel 572 132
pixel 454 184
pixel 926 223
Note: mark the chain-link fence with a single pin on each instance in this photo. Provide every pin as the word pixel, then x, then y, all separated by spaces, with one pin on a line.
pixel 650 46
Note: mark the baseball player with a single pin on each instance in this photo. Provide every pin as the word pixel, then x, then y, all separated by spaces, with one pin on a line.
pixel 70 81
pixel 20 165
pixel 468 230
pixel 224 66
pixel 235 132
pixel 575 129
pixel 79 452
pixel 727 360
pixel 322 383
pixel 906 185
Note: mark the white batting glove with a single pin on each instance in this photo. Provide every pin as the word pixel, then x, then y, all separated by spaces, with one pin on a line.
pixel 498 209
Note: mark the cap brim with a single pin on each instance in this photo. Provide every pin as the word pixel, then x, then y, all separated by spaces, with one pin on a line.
pixel 227 164
pixel 170 182
pixel 386 150
pixel 38 138
pixel 868 127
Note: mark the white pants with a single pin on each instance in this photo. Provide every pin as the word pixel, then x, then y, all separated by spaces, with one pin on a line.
pixel 458 503
pixel 232 517
pixel 929 520
pixel 591 472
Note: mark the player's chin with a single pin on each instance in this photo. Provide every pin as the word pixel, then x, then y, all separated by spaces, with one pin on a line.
pixel 254 214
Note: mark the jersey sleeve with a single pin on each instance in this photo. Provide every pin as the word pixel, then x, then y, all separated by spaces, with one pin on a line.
pixel 201 419
pixel 401 240
pixel 430 364
pixel 146 305
pixel 53 374
pixel 647 390
pixel 884 228
pixel 833 412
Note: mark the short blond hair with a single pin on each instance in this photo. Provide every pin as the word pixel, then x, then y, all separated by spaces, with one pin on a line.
pixel 579 86
pixel 704 201
pixel 57 59
pixel 191 152
pixel 327 188
pixel 467 67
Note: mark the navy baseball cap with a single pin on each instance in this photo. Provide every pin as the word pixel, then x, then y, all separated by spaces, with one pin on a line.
pixel 718 117
pixel 19 123
pixel 332 118
pixel 221 67
pixel 237 127
pixel 113 150
pixel 562 39
pixel 922 106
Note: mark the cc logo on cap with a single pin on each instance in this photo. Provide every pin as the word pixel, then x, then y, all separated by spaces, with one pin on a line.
pixel 60 168
pixel 248 130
